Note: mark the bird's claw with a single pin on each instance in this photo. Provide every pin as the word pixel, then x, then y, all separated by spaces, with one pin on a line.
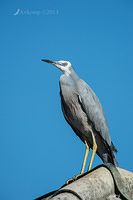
pixel 72 179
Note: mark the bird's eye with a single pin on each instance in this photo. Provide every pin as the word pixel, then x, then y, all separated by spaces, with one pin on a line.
pixel 64 64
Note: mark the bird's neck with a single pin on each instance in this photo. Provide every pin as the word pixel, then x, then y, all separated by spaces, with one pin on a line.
pixel 69 80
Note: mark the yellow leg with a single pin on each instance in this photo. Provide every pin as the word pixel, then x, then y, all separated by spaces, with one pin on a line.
pixel 83 166
pixel 85 157
pixel 94 151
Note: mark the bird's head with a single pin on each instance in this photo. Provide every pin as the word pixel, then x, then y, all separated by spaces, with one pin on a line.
pixel 64 66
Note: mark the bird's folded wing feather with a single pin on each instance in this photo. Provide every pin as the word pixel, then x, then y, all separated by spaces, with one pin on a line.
pixel 93 109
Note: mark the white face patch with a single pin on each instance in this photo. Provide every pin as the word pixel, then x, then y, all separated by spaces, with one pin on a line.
pixel 64 66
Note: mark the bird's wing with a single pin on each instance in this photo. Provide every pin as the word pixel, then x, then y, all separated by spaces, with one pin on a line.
pixel 93 109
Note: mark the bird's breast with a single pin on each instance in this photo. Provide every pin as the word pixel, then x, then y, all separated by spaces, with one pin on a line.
pixel 72 109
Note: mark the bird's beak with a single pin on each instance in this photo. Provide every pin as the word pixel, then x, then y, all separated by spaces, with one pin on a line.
pixel 50 61
pixel 55 63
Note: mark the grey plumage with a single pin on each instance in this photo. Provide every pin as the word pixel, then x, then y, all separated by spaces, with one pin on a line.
pixel 84 113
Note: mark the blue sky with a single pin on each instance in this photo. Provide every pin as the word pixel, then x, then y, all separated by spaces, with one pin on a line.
pixel 38 149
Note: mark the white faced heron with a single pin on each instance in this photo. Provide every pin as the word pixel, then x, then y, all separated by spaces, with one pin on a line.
pixel 84 113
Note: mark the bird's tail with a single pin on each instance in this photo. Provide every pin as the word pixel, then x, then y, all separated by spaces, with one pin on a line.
pixel 113 157
pixel 115 162
pixel 113 147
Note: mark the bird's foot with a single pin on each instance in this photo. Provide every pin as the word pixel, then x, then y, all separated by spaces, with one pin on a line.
pixel 73 179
